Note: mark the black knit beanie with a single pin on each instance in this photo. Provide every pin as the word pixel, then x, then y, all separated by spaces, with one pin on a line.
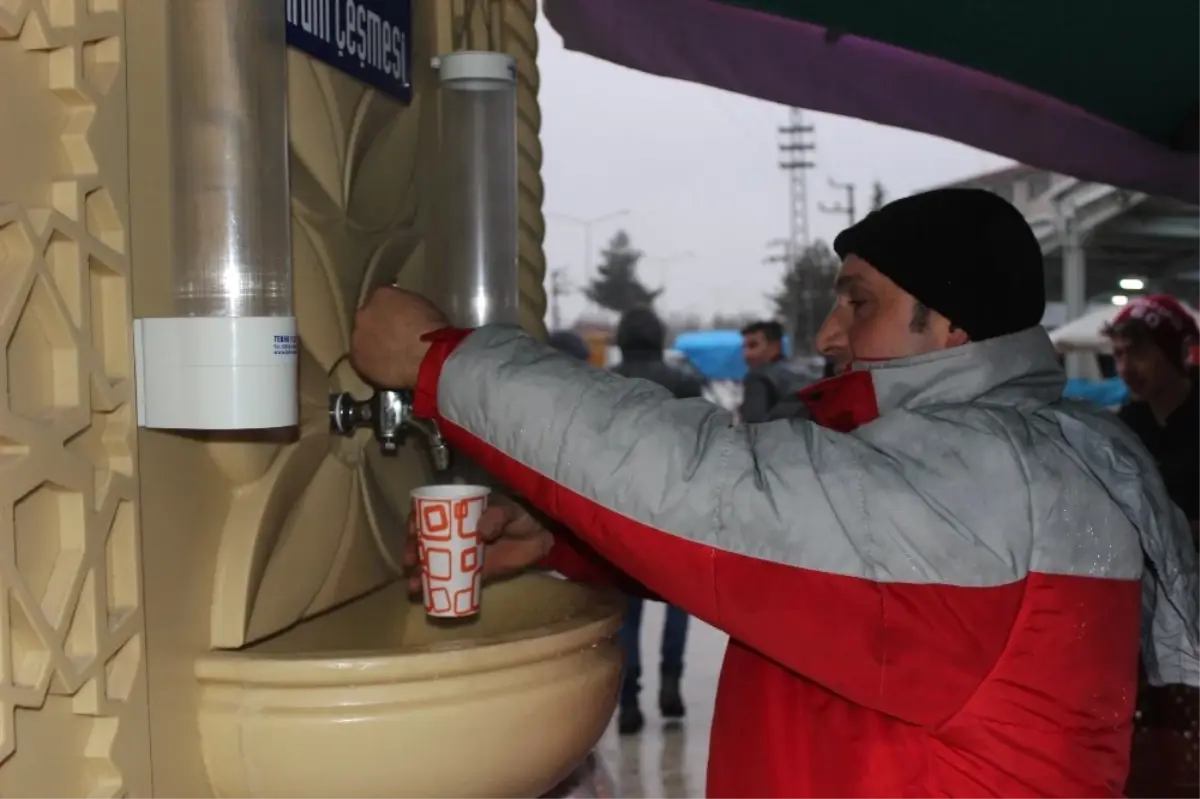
pixel 965 253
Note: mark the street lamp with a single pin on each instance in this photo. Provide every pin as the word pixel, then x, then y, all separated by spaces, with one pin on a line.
pixel 587 223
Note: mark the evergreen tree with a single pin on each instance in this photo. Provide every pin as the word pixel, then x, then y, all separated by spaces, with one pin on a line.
pixel 807 294
pixel 616 286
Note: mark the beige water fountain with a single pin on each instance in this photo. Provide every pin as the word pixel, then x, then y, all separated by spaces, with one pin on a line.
pixel 190 614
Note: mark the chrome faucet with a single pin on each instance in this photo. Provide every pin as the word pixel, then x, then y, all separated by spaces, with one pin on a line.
pixel 388 413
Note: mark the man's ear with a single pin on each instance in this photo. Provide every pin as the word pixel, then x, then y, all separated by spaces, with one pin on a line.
pixel 957 337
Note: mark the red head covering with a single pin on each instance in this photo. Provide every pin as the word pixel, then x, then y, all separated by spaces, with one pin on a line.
pixel 1171 324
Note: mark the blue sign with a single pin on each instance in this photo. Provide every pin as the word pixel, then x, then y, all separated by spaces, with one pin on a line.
pixel 368 39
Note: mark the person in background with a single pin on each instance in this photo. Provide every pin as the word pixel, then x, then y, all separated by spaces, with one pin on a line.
pixel 769 379
pixel 641 337
pixel 1151 339
pixel 570 343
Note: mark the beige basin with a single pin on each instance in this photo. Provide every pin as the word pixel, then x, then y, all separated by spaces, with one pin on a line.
pixel 373 699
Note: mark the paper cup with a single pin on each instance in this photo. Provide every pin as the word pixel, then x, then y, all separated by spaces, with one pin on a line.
pixel 449 547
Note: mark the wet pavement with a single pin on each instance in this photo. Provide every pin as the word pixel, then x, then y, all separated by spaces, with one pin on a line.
pixel 668 759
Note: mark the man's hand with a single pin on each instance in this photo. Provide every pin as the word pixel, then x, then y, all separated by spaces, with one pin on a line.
pixel 514 540
pixel 386 346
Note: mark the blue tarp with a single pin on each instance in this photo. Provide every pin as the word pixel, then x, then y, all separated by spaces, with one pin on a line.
pixel 1109 393
pixel 716 354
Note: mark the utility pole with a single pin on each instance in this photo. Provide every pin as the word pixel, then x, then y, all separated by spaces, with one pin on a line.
pixel 558 289
pixel 794 149
pixel 781 257
pixel 847 207
pixel 793 153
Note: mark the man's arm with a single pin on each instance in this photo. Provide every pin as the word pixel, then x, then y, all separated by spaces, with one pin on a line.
pixel 756 399
pixel 831 572
pixel 575 560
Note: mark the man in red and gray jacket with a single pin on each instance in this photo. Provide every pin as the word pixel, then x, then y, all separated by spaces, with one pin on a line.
pixel 933 584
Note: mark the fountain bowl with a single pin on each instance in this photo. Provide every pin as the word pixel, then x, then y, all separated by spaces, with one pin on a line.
pixel 374 699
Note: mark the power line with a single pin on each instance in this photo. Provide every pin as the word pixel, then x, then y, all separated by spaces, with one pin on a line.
pixel 846 207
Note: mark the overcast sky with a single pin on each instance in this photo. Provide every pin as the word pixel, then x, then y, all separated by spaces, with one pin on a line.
pixel 698 170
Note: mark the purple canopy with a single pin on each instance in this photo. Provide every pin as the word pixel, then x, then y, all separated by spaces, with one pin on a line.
pixel 800 64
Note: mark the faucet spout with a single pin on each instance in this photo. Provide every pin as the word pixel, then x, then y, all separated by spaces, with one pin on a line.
pixel 389 415
pixel 437 445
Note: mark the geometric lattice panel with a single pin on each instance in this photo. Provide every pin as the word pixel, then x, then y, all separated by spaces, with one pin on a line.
pixel 73 716
pixel 72 684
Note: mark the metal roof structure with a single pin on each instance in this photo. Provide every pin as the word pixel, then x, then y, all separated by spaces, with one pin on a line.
pixel 1123 234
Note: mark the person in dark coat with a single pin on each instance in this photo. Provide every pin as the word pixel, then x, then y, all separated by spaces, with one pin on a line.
pixel 641 338
pixel 769 381
pixel 1151 339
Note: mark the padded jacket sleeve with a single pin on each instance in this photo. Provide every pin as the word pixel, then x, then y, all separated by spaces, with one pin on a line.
pixel 762 531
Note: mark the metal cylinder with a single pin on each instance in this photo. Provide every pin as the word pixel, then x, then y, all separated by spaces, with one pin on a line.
pixel 231 204
pixel 473 275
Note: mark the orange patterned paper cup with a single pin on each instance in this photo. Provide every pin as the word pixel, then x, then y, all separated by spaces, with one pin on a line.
pixel 449 546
